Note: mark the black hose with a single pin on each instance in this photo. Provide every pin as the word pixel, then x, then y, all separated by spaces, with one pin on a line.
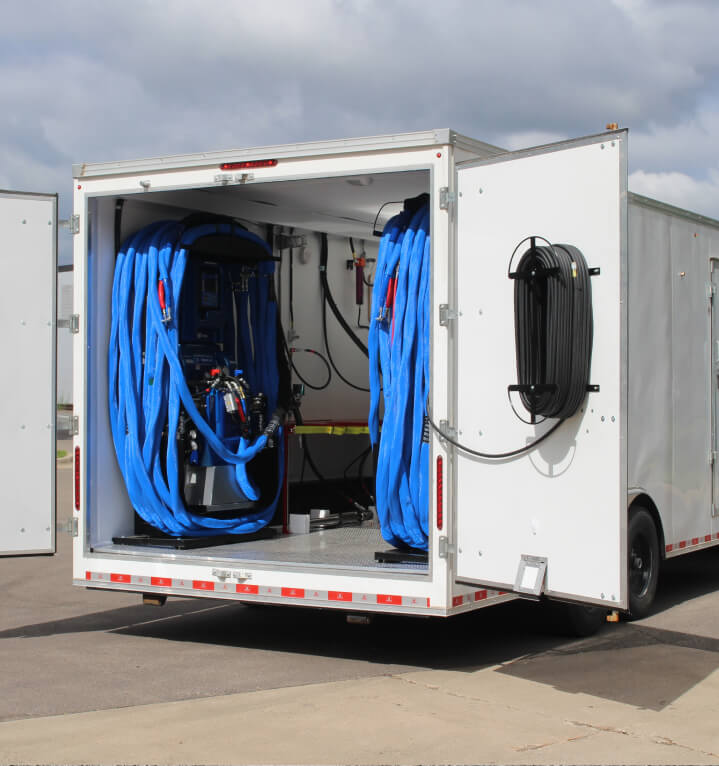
pixel 553 329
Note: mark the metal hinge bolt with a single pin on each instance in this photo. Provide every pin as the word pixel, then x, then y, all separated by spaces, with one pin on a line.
pixel 75 425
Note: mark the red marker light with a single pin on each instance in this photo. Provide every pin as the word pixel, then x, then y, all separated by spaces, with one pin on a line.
pixel 247 164
pixel 161 294
pixel 77 478
pixel 440 492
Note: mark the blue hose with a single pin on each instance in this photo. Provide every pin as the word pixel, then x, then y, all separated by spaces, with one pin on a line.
pixel 147 386
pixel 399 369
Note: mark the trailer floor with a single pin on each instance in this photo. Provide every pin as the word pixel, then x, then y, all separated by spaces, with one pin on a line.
pixel 351 547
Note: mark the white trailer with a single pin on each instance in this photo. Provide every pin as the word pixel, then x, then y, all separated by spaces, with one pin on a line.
pixel 583 517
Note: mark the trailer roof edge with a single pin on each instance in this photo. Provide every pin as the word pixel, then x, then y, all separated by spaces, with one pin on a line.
pixel 665 207
pixel 437 137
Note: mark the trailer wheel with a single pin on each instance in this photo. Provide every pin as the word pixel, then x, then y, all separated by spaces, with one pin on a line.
pixel 643 563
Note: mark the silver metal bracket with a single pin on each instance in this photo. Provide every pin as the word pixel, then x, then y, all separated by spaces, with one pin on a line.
pixel 286 241
pixel 445 547
pixel 227 574
pixel 530 575
pixel 712 457
pixel 445 429
pixel 75 425
pixel 72 224
pixel 446 314
pixel 72 323
pixel 446 198
pixel 69 527
pixel 236 178
pixel 711 291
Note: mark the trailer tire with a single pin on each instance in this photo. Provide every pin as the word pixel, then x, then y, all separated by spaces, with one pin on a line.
pixel 642 562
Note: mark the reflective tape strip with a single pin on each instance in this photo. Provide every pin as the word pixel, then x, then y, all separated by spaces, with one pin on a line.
pixel 682 544
pixel 227 588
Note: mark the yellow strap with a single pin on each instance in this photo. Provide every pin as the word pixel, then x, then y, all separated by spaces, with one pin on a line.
pixel 331 430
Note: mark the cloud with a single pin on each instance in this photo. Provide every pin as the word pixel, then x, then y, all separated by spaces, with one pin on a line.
pixel 112 80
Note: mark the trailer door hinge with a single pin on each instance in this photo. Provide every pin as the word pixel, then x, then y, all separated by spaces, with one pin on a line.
pixel 712 457
pixel 68 527
pixel 72 224
pixel 72 323
pixel 446 198
pixel 445 547
pixel 445 429
pixel 711 290
pixel 715 512
pixel 75 425
pixel 446 314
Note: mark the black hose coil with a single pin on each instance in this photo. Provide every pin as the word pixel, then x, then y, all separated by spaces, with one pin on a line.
pixel 553 329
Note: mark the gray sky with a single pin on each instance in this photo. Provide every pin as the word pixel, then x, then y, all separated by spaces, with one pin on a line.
pixel 105 80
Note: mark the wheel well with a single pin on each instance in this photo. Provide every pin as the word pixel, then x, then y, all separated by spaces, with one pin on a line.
pixel 648 504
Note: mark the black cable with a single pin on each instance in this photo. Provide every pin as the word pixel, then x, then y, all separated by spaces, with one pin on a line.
pixel 375 230
pixel 495 455
pixel 324 361
pixel 328 299
pixel 359 319
pixel 119 203
pixel 329 353
pixel 292 289
pixel 553 329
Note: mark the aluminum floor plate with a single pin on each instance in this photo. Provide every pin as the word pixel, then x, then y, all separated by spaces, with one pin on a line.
pixel 345 548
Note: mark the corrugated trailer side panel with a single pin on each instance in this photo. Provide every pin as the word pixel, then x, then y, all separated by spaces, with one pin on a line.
pixel 670 376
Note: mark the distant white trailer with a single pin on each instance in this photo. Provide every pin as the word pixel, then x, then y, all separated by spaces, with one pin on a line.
pixel 585 516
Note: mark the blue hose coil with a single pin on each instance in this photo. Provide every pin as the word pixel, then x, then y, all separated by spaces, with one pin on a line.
pixel 147 385
pixel 398 346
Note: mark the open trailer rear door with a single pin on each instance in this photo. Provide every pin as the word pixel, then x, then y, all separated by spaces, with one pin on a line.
pixel 552 519
pixel 28 257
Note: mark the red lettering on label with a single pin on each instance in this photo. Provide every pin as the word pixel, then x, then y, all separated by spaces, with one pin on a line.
pixel 457 600
pixel 707 538
pixel 670 548
pixel 683 544
pixel 161 582
pixel 695 541
pixel 293 592
pixel 242 588
pixel 339 595
pixel 119 578
pixel 480 595
pixel 88 575
pixel 202 585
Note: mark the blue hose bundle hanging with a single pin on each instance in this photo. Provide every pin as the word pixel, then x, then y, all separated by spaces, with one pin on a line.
pixel 399 369
pixel 148 392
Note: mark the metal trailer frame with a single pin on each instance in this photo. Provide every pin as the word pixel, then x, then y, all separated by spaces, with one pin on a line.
pixel 658 252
